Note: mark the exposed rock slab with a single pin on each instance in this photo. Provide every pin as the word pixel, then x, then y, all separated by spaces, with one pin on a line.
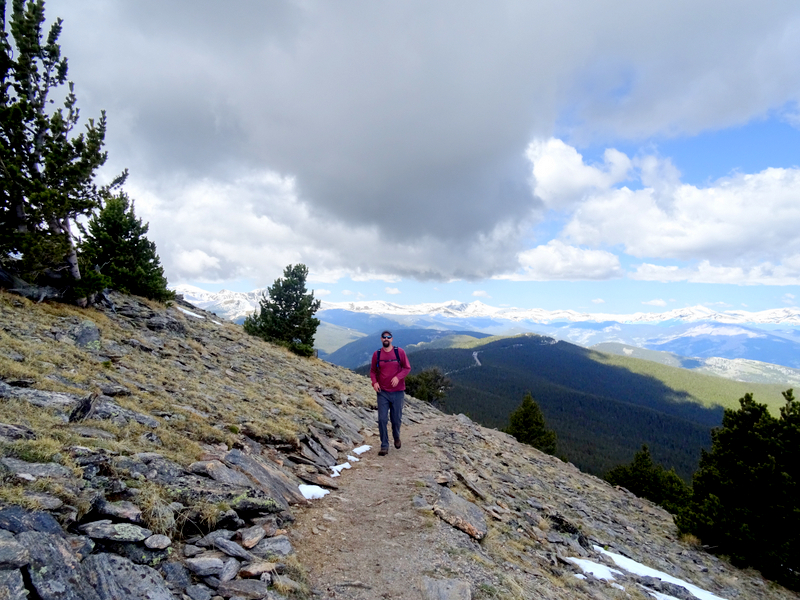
pixel 60 402
pixel 12 586
pixel 15 432
pixel 17 520
pixel 38 470
pixel 219 472
pixel 13 555
pixel 445 589
pixel 115 577
pixel 116 532
pixel 269 477
pixel 55 572
pixel 252 589
pixel 460 513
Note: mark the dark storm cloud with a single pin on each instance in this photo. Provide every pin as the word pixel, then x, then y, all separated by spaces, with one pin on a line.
pixel 412 118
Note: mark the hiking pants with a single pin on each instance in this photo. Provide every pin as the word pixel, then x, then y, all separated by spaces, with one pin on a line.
pixel 390 405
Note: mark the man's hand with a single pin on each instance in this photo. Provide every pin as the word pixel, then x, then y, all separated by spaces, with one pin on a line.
pixel 377 386
pixel 395 381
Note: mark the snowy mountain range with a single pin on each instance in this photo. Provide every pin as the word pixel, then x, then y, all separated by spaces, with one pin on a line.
pixel 770 336
pixel 237 305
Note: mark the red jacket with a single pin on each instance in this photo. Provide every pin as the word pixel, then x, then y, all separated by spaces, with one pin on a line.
pixel 390 368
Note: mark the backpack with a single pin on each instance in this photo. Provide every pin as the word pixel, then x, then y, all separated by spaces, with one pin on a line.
pixel 378 359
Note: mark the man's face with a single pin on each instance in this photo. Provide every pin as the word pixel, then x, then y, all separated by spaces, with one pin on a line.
pixel 386 339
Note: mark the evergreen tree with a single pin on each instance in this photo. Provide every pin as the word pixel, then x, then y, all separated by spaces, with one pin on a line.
pixel 746 493
pixel 527 425
pixel 46 170
pixel 430 385
pixel 652 481
pixel 116 246
pixel 286 314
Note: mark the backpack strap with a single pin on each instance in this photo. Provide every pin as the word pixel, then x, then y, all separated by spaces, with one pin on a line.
pixel 378 358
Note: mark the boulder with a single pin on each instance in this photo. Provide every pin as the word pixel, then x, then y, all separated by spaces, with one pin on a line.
pixel 274 546
pixel 460 513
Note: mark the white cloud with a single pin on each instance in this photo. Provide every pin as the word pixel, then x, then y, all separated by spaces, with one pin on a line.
pixel 742 217
pixel 195 262
pixel 656 302
pixel 557 260
pixel 481 294
pixel 598 301
pixel 561 178
pixel 737 230
pixel 322 293
pixel 705 272
pixel 391 290
pixel 789 299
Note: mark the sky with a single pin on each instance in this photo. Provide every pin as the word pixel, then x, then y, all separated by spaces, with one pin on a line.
pixel 621 156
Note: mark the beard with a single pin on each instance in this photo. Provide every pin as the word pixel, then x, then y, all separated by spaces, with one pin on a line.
pixel 386 343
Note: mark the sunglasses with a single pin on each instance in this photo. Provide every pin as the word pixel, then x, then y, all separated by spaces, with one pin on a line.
pixel 386 337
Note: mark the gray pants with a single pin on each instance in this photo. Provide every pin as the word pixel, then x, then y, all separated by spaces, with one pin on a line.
pixel 390 405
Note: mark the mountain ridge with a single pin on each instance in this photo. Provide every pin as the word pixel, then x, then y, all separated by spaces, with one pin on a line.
pixel 236 303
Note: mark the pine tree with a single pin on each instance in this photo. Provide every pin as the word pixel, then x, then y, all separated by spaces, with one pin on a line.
pixel 430 385
pixel 649 480
pixel 117 247
pixel 746 493
pixel 286 314
pixel 527 425
pixel 46 170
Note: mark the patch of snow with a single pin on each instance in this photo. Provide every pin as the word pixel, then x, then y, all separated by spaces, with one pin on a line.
pixel 628 351
pixel 312 492
pixel 596 569
pixel 190 313
pixel 630 565
pixel 338 469
pixel 352 458
pixel 618 586
pixel 216 322
pixel 361 449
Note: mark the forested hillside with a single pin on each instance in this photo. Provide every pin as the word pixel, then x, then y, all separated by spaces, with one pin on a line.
pixel 602 412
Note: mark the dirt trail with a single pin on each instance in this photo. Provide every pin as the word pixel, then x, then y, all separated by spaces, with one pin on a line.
pixel 366 540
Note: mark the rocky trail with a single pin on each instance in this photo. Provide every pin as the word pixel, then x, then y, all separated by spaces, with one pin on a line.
pixel 370 538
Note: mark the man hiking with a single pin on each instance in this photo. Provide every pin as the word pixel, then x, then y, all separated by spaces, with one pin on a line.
pixel 388 372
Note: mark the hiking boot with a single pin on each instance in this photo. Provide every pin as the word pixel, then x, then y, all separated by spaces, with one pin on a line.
pixel 397 443
pixel 383 452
